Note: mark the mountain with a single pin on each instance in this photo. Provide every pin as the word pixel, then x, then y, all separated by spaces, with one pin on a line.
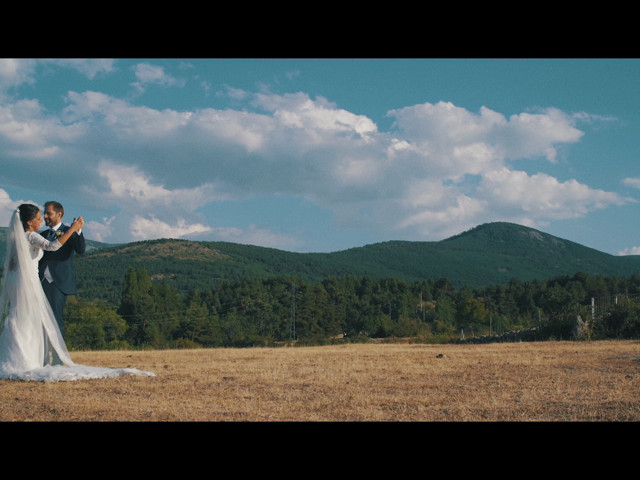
pixel 488 254
pixel 492 253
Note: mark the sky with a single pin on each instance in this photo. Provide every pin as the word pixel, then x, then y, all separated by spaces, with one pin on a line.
pixel 325 154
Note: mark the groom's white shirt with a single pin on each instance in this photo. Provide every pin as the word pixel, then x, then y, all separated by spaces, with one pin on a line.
pixel 47 273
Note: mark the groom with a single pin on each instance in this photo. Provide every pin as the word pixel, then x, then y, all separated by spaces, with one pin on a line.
pixel 56 268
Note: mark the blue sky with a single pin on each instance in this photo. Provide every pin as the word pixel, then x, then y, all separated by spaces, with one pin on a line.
pixel 319 155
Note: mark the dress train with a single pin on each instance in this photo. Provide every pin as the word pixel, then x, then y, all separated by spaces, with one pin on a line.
pixel 27 323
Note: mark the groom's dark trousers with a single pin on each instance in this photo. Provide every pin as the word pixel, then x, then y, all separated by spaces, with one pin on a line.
pixel 56 300
pixel 60 270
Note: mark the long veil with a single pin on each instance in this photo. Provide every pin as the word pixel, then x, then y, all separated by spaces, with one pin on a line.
pixel 22 297
pixel 27 322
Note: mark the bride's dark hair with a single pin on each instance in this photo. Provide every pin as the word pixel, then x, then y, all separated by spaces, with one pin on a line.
pixel 27 213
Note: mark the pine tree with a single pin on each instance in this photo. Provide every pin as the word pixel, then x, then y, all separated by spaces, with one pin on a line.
pixel 138 309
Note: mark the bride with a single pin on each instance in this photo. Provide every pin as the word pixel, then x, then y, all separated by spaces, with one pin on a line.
pixel 27 323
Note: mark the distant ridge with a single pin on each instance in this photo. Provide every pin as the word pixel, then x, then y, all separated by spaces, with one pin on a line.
pixel 489 254
pixel 493 253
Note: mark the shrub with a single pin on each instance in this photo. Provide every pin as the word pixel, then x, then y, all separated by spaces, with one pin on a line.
pixel 623 321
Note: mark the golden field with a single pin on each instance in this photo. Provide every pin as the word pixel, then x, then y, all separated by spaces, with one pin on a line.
pixel 391 382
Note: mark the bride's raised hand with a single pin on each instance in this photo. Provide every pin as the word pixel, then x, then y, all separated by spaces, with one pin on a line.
pixel 75 227
pixel 77 224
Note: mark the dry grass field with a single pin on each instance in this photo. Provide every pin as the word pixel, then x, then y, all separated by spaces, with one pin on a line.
pixel 517 382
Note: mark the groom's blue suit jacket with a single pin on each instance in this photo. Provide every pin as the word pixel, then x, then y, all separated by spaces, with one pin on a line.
pixel 60 262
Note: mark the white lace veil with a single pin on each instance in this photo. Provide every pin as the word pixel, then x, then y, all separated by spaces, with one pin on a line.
pixel 22 292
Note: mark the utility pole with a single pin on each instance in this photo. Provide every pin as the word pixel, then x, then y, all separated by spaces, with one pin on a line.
pixel 292 327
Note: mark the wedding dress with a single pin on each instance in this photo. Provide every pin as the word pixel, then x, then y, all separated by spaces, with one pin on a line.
pixel 27 323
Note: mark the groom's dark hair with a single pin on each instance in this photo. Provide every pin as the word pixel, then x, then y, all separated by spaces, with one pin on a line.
pixel 57 206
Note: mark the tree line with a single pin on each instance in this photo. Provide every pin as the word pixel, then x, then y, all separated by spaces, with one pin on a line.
pixel 279 310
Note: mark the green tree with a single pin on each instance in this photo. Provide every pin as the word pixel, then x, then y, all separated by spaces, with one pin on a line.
pixel 197 325
pixel 623 321
pixel 561 305
pixel 138 309
pixel 93 325
pixel 168 310
pixel 445 315
pixel 473 314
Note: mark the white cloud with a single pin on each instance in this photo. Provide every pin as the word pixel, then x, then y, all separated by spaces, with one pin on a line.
pixel 146 228
pixel 99 231
pixel 121 119
pixel 147 74
pixel 254 235
pixel 17 71
pixel 133 191
pixel 89 67
pixel 530 135
pixel 441 169
pixel 127 184
pixel 314 117
pixel 439 128
pixel 7 206
pixel 630 251
pixel 631 182
pixel 444 124
pixel 449 209
pixel 27 131
pixel 542 196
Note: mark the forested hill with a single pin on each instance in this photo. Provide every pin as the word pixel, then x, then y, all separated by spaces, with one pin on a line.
pixel 490 254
